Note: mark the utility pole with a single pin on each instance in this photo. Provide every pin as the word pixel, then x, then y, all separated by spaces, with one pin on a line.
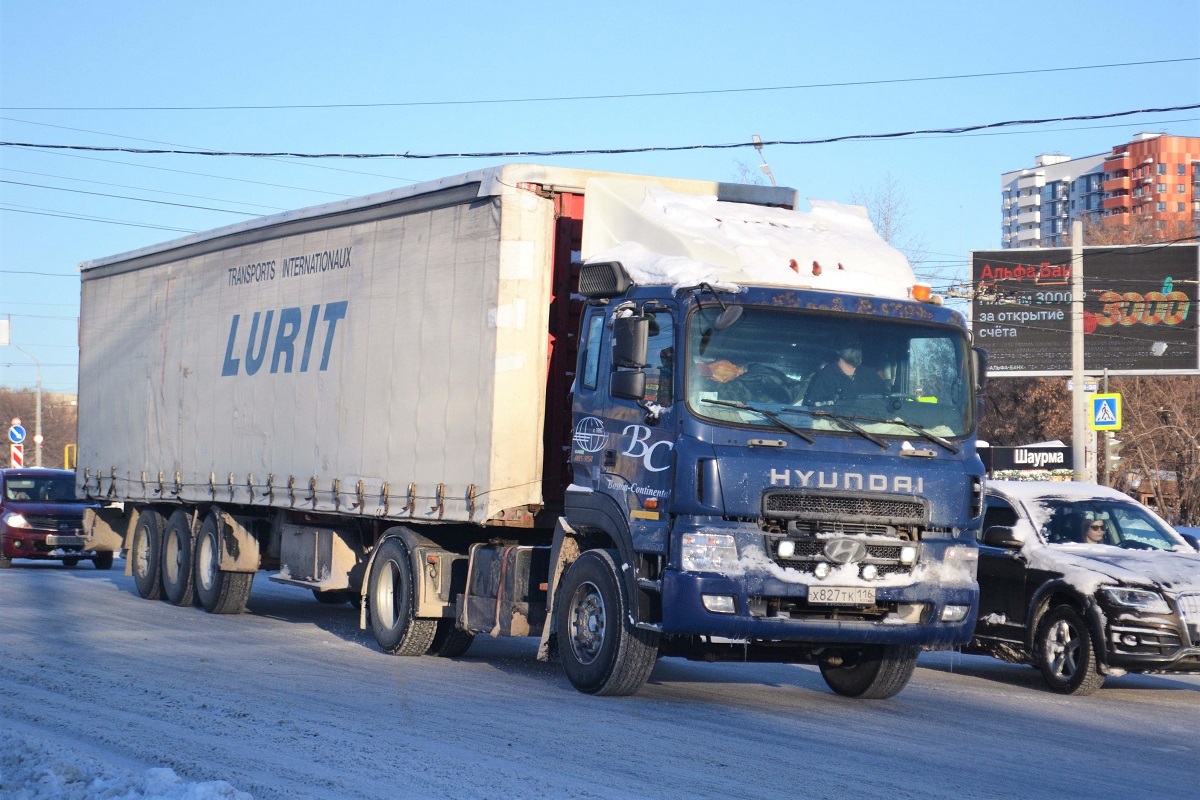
pixel 1079 425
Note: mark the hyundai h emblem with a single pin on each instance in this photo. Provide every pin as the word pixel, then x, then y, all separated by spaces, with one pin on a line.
pixel 845 551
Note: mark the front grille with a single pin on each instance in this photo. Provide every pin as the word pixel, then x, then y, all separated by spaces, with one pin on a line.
pixel 53 523
pixel 785 505
pixel 1189 604
pixel 808 552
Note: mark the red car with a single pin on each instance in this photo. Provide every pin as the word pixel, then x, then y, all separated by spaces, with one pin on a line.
pixel 40 518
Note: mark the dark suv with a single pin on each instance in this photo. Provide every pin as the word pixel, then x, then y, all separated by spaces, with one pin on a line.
pixel 1083 582
pixel 40 518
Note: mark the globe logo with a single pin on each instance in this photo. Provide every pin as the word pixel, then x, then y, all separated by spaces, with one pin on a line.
pixel 590 435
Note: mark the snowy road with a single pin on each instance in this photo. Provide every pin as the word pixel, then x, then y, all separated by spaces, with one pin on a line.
pixel 292 700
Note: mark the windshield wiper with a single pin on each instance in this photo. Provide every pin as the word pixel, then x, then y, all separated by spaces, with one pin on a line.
pixel 771 415
pixel 924 432
pixel 841 419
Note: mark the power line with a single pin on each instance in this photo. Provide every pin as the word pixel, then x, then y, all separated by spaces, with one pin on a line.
pixel 603 151
pixel 139 188
pixel 135 199
pixel 45 213
pixel 621 96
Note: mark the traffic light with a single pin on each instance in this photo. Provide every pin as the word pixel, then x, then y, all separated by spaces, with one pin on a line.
pixel 1112 453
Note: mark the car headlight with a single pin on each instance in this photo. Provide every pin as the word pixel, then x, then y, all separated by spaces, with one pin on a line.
pixel 707 551
pixel 1141 599
pixel 15 520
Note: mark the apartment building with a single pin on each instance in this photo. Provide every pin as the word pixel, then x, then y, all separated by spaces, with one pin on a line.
pixel 1154 176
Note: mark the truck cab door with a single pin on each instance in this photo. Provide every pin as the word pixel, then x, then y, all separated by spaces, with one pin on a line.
pixel 623 447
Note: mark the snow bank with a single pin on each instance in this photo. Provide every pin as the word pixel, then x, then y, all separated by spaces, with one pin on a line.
pixel 667 238
pixel 40 770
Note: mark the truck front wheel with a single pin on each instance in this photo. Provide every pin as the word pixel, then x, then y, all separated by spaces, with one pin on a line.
pixel 396 630
pixel 876 672
pixel 144 554
pixel 177 555
pixel 219 592
pixel 602 652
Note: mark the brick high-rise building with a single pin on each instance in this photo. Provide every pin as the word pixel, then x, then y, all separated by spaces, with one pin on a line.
pixel 1155 177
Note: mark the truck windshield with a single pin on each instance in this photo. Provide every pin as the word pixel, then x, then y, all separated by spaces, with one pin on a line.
pixel 881 376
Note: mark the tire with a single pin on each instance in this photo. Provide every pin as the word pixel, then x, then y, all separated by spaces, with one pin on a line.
pixel 71 561
pixel 178 553
pixel 103 560
pixel 219 592
pixel 450 641
pixel 1063 651
pixel 334 598
pixel 601 650
pixel 5 562
pixel 145 554
pixel 876 673
pixel 391 608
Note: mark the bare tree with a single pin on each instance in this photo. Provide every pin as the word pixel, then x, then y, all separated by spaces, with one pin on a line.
pixel 1119 229
pixel 58 423
pixel 888 206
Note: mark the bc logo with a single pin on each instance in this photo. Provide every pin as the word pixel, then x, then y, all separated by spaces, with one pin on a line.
pixel 641 447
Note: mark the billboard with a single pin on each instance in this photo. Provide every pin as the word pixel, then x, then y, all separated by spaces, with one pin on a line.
pixel 1139 309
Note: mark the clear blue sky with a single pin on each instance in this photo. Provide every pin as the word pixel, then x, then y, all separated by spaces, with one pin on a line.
pixel 217 53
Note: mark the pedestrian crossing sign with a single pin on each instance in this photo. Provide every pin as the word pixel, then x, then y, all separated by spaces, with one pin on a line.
pixel 1106 412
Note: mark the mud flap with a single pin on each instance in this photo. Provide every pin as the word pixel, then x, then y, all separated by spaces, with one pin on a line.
pixel 102 528
pixel 563 553
pixel 239 547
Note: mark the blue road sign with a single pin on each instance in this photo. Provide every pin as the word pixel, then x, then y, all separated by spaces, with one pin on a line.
pixel 1106 412
pixel 16 434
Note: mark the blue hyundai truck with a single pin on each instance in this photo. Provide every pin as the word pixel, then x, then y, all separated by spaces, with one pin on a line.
pixel 635 417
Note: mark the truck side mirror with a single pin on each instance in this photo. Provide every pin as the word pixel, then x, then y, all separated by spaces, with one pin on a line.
pixel 629 385
pixel 631 337
pixel 1002 536
pixel 979 363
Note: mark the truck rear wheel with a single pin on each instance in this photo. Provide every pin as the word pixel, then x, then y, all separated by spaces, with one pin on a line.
pixel 876 672
pixel 178 549
pixel 450 641
pixel 144 554
pixel 602 652
pixel 396 630
pixel 218 591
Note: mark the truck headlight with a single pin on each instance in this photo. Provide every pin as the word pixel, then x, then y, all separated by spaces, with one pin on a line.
pixel 15 520
pixel 706 552
pixel 1141 599
pixel 964 557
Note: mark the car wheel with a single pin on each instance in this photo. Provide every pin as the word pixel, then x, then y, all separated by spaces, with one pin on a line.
pixel 397 631
pixel 1063 652
pixel 103 560
pixel 71 561
pixel 5 562
pixel 601 650
pixel 218 591
pixel 875 672
pixel 178 552
pixel 144 557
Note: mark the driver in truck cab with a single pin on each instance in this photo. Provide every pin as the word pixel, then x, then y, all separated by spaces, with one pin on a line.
pixel 843 379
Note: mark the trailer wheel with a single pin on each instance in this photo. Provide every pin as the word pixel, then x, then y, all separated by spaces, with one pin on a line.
pixel 219 592
pixel 450 641
pixel 103 560
pixel 875 672
pixel 178 553
pixel 1063 652
pixel 601 650
pixel 146 562
pixel 396 630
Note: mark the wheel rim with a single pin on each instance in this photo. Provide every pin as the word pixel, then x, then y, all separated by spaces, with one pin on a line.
pixel 588 623
pixel 171 556
pixel 1063 649
pixel 386 595
pixel 141 552
pixel 207 573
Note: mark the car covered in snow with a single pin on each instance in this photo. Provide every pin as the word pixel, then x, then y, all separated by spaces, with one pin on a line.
pixel 40 518
pixel 1083 582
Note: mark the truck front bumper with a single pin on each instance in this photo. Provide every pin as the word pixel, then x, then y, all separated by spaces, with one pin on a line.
pixel 775 610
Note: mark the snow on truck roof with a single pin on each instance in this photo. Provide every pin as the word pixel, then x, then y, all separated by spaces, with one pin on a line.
pixel 663 230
